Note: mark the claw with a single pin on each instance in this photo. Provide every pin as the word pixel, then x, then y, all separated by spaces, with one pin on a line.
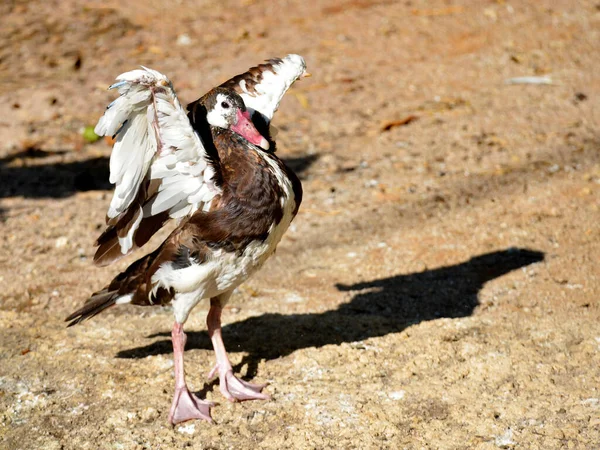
pixel 212 372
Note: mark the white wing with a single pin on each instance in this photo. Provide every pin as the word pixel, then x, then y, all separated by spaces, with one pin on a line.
pixel 262 87
pixel 158 164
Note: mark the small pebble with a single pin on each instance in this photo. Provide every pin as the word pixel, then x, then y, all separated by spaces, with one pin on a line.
pixel 61 242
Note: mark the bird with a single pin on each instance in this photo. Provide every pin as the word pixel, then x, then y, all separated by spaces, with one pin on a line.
pixel 212 168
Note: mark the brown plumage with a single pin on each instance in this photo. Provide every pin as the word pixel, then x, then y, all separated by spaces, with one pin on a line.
pixel 109 250
pixel 243 213
pixel 214 170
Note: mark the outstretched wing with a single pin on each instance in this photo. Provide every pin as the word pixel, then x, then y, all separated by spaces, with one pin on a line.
pixel 158 164
pixel 262 87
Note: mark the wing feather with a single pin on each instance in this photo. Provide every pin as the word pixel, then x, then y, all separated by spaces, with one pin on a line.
pixel 262 87
pixel 154 141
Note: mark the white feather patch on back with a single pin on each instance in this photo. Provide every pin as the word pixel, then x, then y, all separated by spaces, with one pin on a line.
pixel 273 86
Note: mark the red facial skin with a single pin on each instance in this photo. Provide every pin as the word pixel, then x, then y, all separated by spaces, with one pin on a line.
pixel 245 128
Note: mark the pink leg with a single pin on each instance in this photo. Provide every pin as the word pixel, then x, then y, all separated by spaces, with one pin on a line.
pixel 230 386
pixel 185 406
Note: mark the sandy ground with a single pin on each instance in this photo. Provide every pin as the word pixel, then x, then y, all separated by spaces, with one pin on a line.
pixel 439 288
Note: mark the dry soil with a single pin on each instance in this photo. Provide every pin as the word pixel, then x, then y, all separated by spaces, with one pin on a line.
pixel 439 288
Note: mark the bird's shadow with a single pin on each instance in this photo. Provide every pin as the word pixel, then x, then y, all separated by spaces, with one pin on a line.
pixel 33 173
pixel 378 307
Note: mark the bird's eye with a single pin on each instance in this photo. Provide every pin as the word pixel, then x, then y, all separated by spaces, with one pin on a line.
pixel 225 105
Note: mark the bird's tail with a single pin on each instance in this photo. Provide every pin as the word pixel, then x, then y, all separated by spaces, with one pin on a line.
pixel 122 289
pixel 97 303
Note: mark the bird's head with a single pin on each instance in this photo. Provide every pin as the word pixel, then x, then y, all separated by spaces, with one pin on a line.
pixel 226 109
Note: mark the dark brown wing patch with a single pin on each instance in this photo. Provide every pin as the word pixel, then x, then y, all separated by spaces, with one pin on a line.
pixel 97 303
pixel 252 77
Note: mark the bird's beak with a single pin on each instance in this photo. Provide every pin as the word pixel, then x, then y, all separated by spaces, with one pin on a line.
pixel 245 128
